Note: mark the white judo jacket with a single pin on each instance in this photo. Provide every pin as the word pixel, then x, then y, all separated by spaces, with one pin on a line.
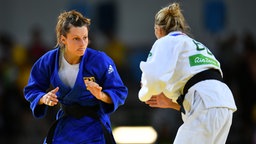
pixel 172 61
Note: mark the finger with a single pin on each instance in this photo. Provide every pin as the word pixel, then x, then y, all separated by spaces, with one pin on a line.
pixel 151 102
pixel 45 99
pixel 51 97
pixel 54 91
pixel 154 106
pixel 53 100
pixel 153 97
pixel 95 85
pixel 99 87
pixel 50 103
pixel 90 84
pixel 86 82
pixel 52 94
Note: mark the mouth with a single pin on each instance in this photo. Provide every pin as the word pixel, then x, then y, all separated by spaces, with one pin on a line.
pixel 81 49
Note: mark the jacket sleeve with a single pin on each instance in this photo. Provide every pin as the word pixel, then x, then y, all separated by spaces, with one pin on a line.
pixel 112 84
pixel 38 84
pixel 157 70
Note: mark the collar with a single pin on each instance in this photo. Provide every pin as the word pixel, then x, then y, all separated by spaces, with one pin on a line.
pixel 176 33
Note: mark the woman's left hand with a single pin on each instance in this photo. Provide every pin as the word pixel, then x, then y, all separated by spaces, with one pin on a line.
pixel 96 90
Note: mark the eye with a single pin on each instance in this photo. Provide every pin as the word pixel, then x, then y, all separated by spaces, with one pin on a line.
pixel 75 38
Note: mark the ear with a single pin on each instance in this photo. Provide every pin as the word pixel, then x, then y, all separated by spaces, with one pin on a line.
pixel 162 32
pixel 63 39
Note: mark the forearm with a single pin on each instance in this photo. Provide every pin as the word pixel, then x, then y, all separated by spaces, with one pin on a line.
pixel 105 98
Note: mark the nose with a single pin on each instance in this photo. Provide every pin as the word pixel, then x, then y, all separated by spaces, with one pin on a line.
pixel 84 42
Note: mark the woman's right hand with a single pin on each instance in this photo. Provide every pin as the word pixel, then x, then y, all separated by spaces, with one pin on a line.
pixel 161 101
pixel 50 98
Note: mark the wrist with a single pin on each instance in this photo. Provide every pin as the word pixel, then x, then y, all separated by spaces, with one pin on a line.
pixel 40 102
pixel 105 98
pixel 176 107
pixel 102 95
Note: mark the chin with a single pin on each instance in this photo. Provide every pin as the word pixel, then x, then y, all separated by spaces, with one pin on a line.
pixel 81 51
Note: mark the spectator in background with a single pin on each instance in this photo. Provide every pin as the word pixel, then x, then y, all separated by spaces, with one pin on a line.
pixel 246 80
pixel 11 101
pixel 36 47
pixel 117 51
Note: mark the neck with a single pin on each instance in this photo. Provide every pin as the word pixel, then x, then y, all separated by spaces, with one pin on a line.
pixel 72 60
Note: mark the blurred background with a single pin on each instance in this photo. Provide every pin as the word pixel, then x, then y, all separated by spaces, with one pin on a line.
pixel 125 30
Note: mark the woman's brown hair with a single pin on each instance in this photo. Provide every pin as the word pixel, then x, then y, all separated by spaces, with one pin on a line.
pixel 68 19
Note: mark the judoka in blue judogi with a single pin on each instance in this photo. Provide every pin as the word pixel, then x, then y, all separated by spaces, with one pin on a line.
pixel 94 66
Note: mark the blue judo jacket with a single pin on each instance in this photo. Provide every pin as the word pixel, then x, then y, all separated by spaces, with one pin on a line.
pixel 94 64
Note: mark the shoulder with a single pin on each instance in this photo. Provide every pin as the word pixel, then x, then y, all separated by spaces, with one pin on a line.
pixel 50 53
pixel 96 55
pixel 166 40
pixel 48 58
pixel 97 62
pixel 165 43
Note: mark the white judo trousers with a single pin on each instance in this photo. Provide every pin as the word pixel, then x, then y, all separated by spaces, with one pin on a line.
pixel 204 124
